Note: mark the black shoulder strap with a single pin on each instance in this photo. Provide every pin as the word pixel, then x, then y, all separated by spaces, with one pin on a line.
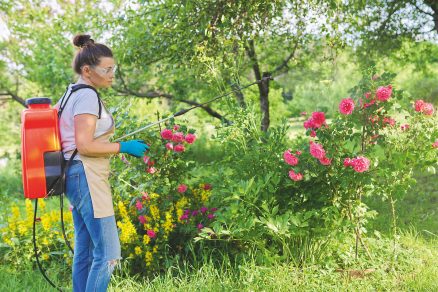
pixel 75 88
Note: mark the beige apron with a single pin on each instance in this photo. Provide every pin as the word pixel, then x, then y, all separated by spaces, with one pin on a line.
pixel 97 171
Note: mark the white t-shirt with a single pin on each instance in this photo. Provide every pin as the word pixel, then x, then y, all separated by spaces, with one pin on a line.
pixel 82 101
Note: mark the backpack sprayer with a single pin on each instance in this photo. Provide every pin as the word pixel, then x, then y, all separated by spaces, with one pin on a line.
pixel 43 164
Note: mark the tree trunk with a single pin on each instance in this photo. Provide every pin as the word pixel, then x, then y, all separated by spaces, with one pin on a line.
pixel 263 86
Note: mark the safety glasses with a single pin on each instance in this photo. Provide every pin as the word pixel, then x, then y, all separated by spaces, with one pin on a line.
pixel 105 71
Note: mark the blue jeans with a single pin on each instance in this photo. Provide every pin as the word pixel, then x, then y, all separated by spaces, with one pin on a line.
pixel 97 245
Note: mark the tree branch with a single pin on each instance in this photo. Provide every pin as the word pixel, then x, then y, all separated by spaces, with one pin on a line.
pixel 14 97
pixel 286 61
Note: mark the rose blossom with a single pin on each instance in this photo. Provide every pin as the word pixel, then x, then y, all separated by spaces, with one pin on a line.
pixel 325 161
pixel 295 176
pixel 179 148
pixel 138 205
pixel 312 134
pixel 182 188
pixel 428 109
pixel 178 137
pixel 384 93
pixel 390 121
pixel 348 162
pixel 169 146
pixel 190 138
pixel 142 219
pixel 176 127
pixel 404 127
pixel 166 134
pixel 316 150
pixel 151 170
pixel 290 158
pixel 151 233
pixel 346 106
pixel 361 164
pixel 435 145
pixel 419 105
pixel 309 124
pixel 318 119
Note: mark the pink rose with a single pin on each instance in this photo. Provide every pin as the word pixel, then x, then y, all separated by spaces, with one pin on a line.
pixel 298 152
pixel 295 176
pixel 151 170
pixel 419 105
pixel 367 95
pixel 142 219
pixel 182 188
pixel 390 121
pixel 346 106
pixel 428 109
pixel 190 138
pixel 169 146
pixel 348 162
pixel 316 150
pixel 318 119
pixel 207 187
pixel 178 137
pixel 366 105
pixel 176 127
pixel 166 134
pixel 435 145
pixel 145 196
pixel 151 233
pixel 138 205
pixel 325 161
pixel 361 164
pixel 312 134
pixel 309 124
pixel 384 93
pixel 404 127
pixel 179 148
pixel 290 158
pixel 146 159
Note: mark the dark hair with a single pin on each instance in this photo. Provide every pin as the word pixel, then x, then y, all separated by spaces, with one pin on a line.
pixel 89 52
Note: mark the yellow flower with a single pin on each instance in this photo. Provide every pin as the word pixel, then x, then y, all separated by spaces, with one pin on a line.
pixel 22 228
pixel 29 209
pixel 122 209
pixel 155 212
pixel 148 258
pixel 45 257
pixel 137 250
pixel 127 231
pixel 46 221
pixel 154 196
pixel 146 239
pixel 168 223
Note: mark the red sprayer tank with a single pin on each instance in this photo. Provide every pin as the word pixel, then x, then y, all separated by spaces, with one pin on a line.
pixel 40 148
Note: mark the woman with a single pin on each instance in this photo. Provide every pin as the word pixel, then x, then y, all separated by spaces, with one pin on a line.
pixel 86 125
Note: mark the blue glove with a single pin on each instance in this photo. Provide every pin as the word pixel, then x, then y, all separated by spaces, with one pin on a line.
pixel 135 148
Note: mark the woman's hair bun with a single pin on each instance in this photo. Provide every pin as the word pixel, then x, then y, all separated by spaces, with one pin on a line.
pixel 81 40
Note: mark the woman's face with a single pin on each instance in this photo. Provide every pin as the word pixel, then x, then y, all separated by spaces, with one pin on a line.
pixel 102 75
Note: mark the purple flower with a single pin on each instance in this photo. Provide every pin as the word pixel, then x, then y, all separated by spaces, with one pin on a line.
pixel 203 209
pixel 213 209
pixel 211 216
pixel 184 217
pixel 194 213
pixel 200 226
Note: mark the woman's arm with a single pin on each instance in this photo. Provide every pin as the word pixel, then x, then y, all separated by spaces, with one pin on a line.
pixel 85 125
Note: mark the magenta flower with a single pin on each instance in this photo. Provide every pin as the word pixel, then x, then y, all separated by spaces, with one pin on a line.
pixel 361 164
pixel 187 211
pixel 145 196
pixel 200 226
pixel 138 205
pixel 290 158
pixel 207 187
pixel 190 138
pixel 404 127
pixel 215 209
pixel 179 148
pixel 298 152
pixel 151 170
pixel 325 161
pixel 390 121
pixel 211 216
pixel 384 93
pixel 295 176
pixel 428 109
pixel 346 106
pixel 312 134
pixel 419 105
pixel 182 188
pixel 176 127
pixel 348 162
pixel 146 159
pixel 178 137
pixel 169 146
pixel 316 150
pixel 195 213
pixel 203 209
pixel 318 119
pixel 166 134
pixel 309 124
pixel 142 219
pixel 184 217
pixel 151 233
